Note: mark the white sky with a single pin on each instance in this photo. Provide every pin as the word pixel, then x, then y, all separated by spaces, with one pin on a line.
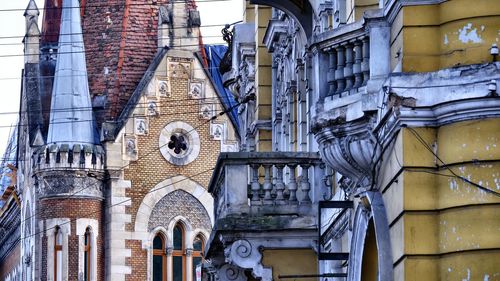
pixel 12 24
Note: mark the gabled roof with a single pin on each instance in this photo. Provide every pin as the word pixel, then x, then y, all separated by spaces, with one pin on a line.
pixel 143 83
pixel 224 96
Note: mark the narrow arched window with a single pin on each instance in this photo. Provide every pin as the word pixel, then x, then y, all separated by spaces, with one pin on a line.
pixel 179 254
pixel 87 249
pixel 58 254
pixel 159 258
pixel 198 249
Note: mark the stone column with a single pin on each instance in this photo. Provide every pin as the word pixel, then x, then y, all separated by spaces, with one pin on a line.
pixel 339 73
pixel 170 264
pixel 189 265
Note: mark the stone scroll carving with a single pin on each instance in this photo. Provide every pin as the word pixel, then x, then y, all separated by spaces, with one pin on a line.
pixel 246 255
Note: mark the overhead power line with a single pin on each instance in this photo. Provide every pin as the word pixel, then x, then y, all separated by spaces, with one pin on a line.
pixel 106 5
pixel 99 51
pixel 125 166
pixel 115 29
pixel 426 146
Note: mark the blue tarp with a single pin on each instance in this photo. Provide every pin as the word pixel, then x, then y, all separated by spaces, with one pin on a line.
pixel 214 57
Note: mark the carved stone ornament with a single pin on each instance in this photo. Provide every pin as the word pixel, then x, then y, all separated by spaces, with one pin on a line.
pixel 207 111
pixel 196 90
pixel 153 108
pixel 348 147
pixel 244 254
pixel 216 131
pixel 163 87
pixel 141 126
pixel 179 68
pixel 130 147
pixel 231 272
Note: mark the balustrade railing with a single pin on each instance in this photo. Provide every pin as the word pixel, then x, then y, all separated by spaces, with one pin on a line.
pixel 266 183
pixel 348 51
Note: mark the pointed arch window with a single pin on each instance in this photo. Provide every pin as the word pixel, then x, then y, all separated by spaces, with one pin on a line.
pixel 159 258
pixel 58 241
pixel 198 249
pixel 87 250
pixel 179 254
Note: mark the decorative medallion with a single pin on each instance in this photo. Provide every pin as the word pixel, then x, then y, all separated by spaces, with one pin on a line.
pixel 207 111
pixel 130 147
pixel 163 87
pixel 141 126
pixel 216 131
pixel 196 89
pixel 153 109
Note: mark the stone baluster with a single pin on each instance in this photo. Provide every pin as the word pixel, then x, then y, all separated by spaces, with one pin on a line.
pixel 331 71
pixel 305 186
pixel 255 185
pixel 268 185
pixel 365 65
pixel 356 69
pixel 292 185
pixel 280 186
pixel 348 71
pixel 339 72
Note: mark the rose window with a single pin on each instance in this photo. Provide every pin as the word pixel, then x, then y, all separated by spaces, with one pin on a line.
pixel 177 144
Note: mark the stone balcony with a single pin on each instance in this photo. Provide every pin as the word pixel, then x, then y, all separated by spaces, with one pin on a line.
pixel 265 183
pixel 348 51
pixel 262 200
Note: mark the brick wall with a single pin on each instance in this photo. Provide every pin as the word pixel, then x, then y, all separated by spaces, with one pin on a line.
pixel 10 262
pixel 152 168
pixel 138 261
pixel 74 209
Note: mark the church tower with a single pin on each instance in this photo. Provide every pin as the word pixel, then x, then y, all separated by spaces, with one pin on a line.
pixel 121 125
pixel 69 168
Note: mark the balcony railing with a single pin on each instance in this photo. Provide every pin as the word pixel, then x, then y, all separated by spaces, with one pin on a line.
pixel 266 183
pixel 348 50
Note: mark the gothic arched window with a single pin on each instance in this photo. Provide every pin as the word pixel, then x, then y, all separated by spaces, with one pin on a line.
pixel 58 254
pixel 179 254
pixel 87 250
pixel 198 248
pixel 159 258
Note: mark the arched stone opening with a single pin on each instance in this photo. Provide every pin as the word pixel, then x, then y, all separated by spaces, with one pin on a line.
pixel 370 244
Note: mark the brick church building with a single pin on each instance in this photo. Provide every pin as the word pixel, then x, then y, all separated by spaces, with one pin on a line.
pixel 120 127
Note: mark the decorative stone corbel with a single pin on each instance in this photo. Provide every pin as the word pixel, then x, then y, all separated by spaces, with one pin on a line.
pixel 246 255
pixel 231 272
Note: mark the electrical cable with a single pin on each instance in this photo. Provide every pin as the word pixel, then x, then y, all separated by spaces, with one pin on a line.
pixel 422 141
pixel 105 5
pixel 144 155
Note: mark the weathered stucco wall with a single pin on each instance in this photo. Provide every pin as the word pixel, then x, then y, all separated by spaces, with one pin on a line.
pixel 443 228
pixel 432 37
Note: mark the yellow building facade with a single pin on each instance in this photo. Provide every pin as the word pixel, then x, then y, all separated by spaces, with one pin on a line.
pixel 397 103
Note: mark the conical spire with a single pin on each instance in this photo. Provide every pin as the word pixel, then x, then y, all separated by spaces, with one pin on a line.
pixel 71 118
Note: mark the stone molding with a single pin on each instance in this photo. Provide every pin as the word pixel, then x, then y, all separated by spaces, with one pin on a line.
pixel 64 225
pixel 162 189
pixel 375 209
pixel 81 227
